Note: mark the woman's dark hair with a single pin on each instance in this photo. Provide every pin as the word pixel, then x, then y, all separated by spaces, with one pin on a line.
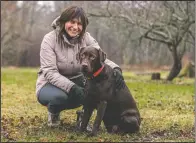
pixel 69 14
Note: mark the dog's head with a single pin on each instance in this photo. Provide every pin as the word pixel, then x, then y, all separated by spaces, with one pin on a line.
pixel 90 59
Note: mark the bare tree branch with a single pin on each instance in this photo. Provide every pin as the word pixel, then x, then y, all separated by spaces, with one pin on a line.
pixel 166 4
pixel 98 15
pixel 108 4
pixel 124 17
pixel 158 40
pixel 178 17
pixel 187 8
pixel 148 11
pixel 181 7
pixel 192 35
pixel 154 30
pixel 184 30
pixel 184 47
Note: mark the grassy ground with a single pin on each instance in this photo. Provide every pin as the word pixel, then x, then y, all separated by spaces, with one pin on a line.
pixel 167 111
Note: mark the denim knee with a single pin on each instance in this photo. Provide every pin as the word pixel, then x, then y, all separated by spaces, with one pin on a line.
pixel 56 99
pixel 60 103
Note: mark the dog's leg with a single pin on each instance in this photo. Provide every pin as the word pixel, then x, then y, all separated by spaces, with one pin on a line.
pixel 86 117
pixel 100 113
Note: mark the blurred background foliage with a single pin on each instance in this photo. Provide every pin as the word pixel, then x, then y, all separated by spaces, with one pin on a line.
pixel 151 34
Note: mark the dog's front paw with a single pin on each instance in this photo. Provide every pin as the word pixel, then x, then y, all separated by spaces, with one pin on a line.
pixel 115 129
pixel 93 132
pixel 79 128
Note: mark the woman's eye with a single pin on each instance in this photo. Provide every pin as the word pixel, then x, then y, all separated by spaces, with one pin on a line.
pixel 82 56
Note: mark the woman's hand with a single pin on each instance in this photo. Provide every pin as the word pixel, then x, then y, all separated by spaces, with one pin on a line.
pixel 78 92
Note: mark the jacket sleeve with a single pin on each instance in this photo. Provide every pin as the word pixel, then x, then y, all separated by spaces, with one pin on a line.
pixel 49 67
pixel 91 41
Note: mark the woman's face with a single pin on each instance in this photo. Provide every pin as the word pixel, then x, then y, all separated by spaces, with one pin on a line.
pixel 73 27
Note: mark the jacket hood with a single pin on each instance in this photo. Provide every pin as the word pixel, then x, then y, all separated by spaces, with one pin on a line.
pixel 54 23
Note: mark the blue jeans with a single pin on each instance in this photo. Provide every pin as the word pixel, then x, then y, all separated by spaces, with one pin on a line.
pixel 57 100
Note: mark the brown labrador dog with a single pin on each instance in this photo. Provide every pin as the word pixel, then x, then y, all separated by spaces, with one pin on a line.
pixel 117 109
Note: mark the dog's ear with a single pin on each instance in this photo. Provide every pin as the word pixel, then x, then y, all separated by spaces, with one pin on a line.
pixel 102 56
pixel 78 54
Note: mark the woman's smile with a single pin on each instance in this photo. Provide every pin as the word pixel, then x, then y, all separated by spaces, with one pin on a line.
pixel 73 27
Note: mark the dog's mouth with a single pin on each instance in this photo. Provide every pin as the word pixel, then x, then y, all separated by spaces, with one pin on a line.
pixel 86 70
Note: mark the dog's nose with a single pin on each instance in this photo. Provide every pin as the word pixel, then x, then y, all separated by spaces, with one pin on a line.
pixel 84 64
pixel 85 67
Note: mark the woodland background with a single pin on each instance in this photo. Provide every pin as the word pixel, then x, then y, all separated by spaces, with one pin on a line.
pixel 134 34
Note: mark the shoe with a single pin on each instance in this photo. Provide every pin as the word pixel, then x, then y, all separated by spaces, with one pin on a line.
pixel 79 118
pixel 53 120
pixel 79 121
pixel 89 128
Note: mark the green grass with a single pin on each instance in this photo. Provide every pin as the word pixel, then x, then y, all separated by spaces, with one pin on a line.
pixel 166 108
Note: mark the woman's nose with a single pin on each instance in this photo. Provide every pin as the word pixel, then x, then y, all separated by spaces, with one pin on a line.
pixel 75 26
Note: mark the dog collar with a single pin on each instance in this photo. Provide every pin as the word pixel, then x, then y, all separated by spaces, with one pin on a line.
pixel 98 71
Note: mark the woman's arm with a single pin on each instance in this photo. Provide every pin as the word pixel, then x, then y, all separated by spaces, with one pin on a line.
pixel 48 64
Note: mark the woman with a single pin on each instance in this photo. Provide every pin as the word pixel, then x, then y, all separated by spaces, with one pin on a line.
pixel 60 82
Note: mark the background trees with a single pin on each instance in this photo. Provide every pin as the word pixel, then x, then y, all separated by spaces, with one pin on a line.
pixel 152 33
pixel 170 23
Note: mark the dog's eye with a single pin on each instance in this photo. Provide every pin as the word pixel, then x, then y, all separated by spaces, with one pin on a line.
pixel 82 56
pixel 92 57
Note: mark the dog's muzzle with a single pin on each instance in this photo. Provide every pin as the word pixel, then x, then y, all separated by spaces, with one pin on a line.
pixel 85 68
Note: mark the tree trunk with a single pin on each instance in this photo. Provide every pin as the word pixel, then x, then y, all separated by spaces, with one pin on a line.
pixel 177 65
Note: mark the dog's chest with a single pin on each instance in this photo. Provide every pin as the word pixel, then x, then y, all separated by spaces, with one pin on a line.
pixel 98 91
